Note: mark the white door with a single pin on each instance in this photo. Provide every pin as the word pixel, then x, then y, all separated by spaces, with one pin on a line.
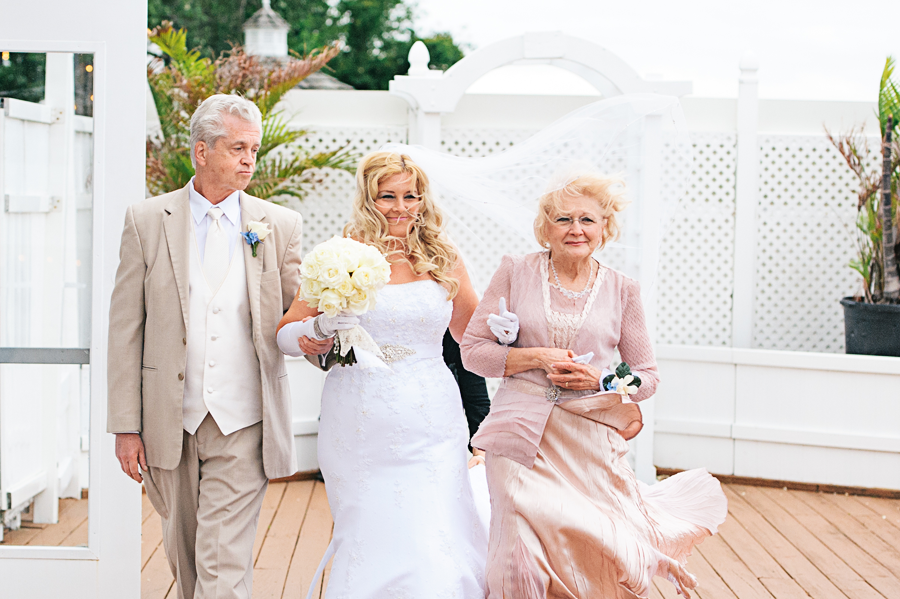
pixel 71 159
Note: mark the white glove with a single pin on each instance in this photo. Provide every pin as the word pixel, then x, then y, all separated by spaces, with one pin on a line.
pixel 328 325
pixel 291 332
pixel 504 326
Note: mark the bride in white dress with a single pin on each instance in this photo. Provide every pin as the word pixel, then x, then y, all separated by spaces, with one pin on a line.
pixel 392 443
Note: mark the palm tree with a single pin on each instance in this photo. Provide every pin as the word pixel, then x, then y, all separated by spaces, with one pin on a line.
pixel 889 115
pixel 877 235
pixel 183 79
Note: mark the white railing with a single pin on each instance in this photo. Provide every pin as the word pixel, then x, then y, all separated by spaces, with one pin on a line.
pixel 799 416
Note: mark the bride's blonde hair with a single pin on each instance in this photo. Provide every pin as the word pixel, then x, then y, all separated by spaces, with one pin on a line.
pixel 425 247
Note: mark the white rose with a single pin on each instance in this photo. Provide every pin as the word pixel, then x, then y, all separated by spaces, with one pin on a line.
pixel 332 274
pixel 310 267
pixel 330 302
pixel 349 259
pixel 345 287
pixel 310 289
pixel 361 302
pixel 365 277
pixel 325 254
pixel 262 230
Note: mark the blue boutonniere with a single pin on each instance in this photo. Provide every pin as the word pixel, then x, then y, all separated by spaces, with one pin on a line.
pixel 255 234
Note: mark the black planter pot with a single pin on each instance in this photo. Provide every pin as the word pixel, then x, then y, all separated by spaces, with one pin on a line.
pixel 871 329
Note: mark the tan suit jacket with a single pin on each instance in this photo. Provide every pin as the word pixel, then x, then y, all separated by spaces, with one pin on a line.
pixel 148 323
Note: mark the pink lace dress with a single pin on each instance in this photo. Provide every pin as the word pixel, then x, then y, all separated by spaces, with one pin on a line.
pixel 568 517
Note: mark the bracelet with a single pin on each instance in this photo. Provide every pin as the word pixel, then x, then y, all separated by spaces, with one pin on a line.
pixel 322 336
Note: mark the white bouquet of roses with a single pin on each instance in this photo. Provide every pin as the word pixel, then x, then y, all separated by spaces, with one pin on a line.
pixel 344 275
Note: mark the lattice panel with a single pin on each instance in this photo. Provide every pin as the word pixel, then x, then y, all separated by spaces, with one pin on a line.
pixel 481 242
pixel 475 143
pixel 696 270
pixel 805 239
pixel 327 208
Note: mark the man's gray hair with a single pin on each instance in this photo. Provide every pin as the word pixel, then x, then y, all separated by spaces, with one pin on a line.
pixel 208 121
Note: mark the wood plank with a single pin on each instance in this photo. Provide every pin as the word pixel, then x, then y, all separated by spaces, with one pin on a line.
pixel 710 586
pixel 72 512
pixel 867 541
pixel 887 508
pixel 22 536
pixel 831 564
pixel 868 568
pixel 816 584
pixel 872 519
pixel 147 509
pixel 151 537
pixel 156 577
pixel 325 576
pixel 271 501
pixel 78 537
pixel 270 573
pixel 750 551
pixel 311 545
pixel 731 569
pixel 654 592
pixel 665 588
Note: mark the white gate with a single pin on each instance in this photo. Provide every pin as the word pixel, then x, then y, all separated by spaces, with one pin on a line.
pixel 65 183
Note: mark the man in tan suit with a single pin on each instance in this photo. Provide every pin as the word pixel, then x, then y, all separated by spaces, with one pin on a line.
pixel 198 392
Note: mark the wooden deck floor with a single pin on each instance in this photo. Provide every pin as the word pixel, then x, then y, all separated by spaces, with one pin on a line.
pixel 776 544
pixel 70 531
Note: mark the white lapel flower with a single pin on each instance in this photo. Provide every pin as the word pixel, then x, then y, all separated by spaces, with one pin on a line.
pixel 622 382
pixel 255 234
pixel 623 386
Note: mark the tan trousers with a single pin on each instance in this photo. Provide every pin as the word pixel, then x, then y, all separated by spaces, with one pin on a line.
pixel 210 507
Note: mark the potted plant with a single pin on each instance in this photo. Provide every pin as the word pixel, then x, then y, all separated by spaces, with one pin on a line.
pixel 872 318
pixel 182 78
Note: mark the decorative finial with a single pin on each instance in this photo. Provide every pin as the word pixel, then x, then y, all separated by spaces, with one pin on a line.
pixel 419 57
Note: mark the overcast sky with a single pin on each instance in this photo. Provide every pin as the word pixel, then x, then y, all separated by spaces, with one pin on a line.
pixel 822 50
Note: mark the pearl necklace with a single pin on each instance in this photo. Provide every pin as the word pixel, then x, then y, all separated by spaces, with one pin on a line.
pixel 571 294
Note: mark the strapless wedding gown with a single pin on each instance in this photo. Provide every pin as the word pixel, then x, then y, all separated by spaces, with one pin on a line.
pixel 392 450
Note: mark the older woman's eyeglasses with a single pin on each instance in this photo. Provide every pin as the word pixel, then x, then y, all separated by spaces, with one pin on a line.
pixel 390 200
pixel 567 222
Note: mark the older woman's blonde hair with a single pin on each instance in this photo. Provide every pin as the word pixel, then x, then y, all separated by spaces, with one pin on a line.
pixel 608 192
pixel 428 248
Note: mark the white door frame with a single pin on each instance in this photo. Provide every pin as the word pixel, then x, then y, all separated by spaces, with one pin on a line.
pixel 115 33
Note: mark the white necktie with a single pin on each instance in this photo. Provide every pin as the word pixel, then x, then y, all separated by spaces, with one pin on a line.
pixel 215 256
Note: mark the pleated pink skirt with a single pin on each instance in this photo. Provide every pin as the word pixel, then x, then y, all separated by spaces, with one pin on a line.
pixel 579 524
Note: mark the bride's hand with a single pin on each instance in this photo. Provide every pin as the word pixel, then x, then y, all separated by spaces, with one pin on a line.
pixel 314 347
pixel 477 457
pixel 547 358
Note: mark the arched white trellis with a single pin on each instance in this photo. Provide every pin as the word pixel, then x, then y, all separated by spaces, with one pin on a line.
pixel 432 93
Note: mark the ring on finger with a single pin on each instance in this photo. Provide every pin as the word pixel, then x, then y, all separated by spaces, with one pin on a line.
pixel 566 384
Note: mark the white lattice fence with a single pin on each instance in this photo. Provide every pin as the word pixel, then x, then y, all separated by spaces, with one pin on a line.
pixel 697 259
pixel 805 234
pixel 805 239
pixel 327 208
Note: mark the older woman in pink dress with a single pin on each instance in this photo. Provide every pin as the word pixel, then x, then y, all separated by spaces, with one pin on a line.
pixel 568 517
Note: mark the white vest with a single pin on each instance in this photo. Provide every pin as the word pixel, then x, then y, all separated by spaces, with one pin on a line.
pixel 222 376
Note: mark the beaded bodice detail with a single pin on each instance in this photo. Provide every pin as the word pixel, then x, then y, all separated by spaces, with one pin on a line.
pixel 416 313
pixel 563 326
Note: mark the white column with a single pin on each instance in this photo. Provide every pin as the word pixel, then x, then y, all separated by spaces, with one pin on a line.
pixel 650 182
pixel 419 89
pixel 746 194
pixel 60 97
